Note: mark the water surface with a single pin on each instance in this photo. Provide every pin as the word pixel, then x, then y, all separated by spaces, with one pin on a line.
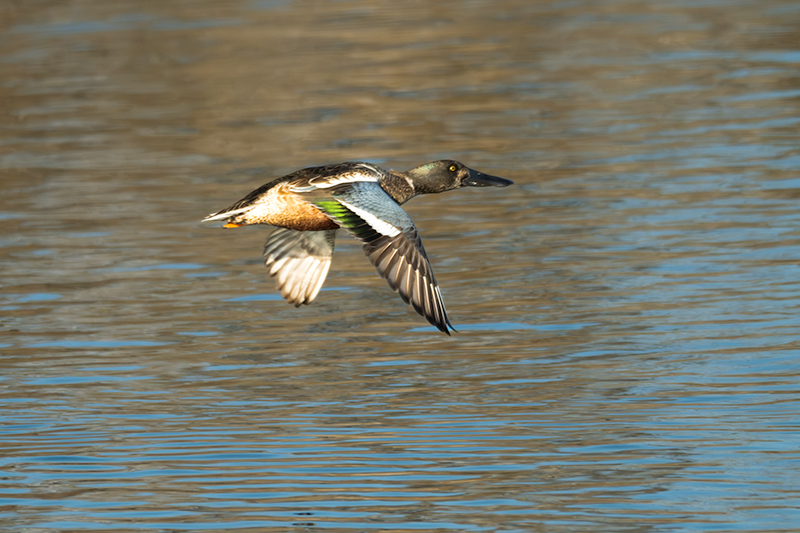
pixel 628 311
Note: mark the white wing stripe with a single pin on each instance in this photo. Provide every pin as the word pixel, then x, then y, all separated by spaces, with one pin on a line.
pixel 384 228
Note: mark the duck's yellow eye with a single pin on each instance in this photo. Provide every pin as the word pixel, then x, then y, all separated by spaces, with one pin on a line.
pixel 452 168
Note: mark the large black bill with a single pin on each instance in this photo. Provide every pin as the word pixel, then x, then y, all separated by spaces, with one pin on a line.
pixel 479 179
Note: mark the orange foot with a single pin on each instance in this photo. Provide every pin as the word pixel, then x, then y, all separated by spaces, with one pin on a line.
pixel 232 225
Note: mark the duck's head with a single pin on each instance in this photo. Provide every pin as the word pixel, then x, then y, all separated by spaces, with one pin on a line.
pixel 445 175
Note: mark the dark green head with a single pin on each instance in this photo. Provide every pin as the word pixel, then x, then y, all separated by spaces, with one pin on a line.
pixel 445 175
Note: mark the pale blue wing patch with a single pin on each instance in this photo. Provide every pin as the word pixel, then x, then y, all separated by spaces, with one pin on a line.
pixel 370 202
pixel 391 243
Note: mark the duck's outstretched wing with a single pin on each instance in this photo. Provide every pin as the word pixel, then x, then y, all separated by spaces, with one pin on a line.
pixel 299 262
pixel 391 243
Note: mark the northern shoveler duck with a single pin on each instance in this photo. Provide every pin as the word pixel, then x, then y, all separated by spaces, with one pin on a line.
pixel 309 205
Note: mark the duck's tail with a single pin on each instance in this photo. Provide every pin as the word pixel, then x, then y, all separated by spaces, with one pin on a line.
pixel 232 216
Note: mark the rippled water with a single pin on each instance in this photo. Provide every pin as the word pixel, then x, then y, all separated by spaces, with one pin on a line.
pixel 627 355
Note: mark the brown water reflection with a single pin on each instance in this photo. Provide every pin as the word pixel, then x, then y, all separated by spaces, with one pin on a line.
pixel 627 311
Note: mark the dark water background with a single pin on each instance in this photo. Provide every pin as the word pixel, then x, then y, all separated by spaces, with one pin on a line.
pixel 627 359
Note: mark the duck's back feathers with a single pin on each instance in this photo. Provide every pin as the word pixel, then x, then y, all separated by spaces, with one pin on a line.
pixel 341 174
pixel 282 202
